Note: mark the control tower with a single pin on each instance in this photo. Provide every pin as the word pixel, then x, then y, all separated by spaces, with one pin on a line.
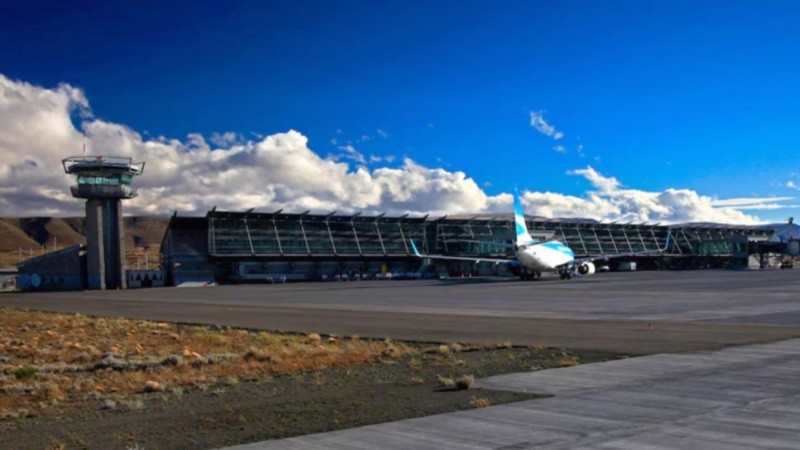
pixel 103 181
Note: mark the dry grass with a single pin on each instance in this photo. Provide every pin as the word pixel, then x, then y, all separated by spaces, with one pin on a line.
pixel 568 361
pixel 447 382
pixel 132 256
pixel 50 360
pixel 460 383
pixel 480 402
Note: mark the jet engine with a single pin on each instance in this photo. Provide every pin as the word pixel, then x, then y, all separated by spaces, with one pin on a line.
pixel 586 268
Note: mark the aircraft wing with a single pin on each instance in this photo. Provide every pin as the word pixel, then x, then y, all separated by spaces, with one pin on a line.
pixel 463 258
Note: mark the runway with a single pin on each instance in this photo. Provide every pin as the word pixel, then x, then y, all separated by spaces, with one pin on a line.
pixel 631 313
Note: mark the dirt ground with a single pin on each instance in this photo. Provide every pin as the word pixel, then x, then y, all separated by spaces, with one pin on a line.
pixel 110 397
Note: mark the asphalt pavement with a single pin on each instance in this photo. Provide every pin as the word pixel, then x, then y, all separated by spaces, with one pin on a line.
pixel 631 313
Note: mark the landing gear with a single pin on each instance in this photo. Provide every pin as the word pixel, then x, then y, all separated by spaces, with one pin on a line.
pixel 529 276
pixel 566 275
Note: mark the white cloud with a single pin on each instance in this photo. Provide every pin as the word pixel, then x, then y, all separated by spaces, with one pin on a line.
pixel 754 203
pixel 36 132
pixel 225 140
pixel 382 133
pixel 191 175
pixel 281 171
pixel 374 159
pixel 560 149
pixel 747 202
pixel 541 125
pixel 610 202
pixel 351 153
pixel 792 185
pixel 605 184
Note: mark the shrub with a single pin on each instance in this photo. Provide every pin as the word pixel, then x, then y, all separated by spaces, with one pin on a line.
pixel 25 373
pixel 465 382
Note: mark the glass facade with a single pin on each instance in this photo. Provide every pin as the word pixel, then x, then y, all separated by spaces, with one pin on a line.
pixel 241 247
pixel 254 234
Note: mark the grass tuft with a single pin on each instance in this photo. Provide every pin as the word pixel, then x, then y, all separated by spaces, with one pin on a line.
pixel 460 383
pixel 446 382
pixel 480 402
pixel 568 361
pixel 24 373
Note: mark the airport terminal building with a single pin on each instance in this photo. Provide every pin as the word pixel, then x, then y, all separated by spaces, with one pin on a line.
pixel 239 247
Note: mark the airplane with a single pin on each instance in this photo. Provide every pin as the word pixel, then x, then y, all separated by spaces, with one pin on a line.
pixel 538 257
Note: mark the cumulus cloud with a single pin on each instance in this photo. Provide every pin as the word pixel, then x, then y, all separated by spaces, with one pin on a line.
pixel 610 201
pixel 281 171
pixel 227 139
pixel 191 175
pixel 792 185
pixel 540 124
pixel 36 132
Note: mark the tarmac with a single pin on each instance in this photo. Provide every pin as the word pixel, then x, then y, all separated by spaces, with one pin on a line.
pixel 722 369
pixel 634 313
pixel 736 398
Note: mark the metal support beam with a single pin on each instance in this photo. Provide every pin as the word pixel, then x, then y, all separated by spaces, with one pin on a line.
pixel 625 233
pixel 355 233
pixel 597 239
pixel 641 239
pixel 378 230
pixel 330 233
pixel 303 231
pixel 580 238
pixel 277 236
pixel 249 239
pixel 613 241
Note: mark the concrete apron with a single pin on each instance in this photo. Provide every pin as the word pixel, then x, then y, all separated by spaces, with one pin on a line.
pixel 743 397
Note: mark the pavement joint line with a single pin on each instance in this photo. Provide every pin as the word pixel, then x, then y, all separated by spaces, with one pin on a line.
pixel 625 415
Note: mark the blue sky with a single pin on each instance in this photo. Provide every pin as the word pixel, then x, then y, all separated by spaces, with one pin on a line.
pixel 694 95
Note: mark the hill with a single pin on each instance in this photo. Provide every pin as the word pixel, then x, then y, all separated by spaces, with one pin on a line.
pixel 32 236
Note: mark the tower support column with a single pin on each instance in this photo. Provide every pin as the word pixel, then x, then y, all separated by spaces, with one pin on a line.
pixel 95 255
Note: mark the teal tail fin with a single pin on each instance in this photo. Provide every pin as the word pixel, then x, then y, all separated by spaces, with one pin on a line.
pixel 414 247
pixel 523 237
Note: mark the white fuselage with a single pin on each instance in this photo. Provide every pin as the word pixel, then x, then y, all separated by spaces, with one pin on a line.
pixel 545 256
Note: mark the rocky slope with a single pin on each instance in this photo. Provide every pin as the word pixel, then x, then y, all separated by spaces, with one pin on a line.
pixel 32 235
